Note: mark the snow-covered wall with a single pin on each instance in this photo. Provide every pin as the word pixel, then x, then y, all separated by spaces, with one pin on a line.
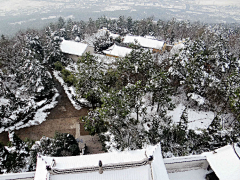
pixel 22 176
pixel 186 163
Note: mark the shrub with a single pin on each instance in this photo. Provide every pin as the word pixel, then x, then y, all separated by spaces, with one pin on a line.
pixel 58 66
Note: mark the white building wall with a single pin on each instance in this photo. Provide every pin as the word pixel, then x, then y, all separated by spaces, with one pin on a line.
pixel 182 164
pixel 76 57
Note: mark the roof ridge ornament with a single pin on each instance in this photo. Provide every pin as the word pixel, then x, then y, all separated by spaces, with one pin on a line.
pixel 100 168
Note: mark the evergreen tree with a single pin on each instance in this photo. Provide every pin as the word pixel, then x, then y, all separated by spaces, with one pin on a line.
pixel 89 79
pixel 60 23
pixel 16 155
pixel 63 144
pixel 102 43
pixel 24 79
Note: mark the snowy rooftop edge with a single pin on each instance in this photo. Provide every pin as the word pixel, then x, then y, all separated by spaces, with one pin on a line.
pixel 76 164
pixel 184 159
pixel 17 175
pixel 225 163
pixel 72 47
pixel 118 51
pixel 93 159
pixel 145 42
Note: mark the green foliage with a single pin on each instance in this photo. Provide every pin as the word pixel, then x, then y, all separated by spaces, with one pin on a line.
pixel 65 145
pixel 111 80
pixel 235 103
pixel 21 155
pixel 123 110
pixel 94 124
pixel 114 116
pixel 68 77
pixel 89 79
pixel 137 66
pixel 58 66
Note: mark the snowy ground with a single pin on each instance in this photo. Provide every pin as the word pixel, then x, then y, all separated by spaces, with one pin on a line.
pixel 196 119
pixel 39 117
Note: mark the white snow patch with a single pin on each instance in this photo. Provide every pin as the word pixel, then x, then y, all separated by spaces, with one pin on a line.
pixel 41 114
pixel 117 51
pixel 39 117
pixel 114 36
pixel 196 119
pixel 176 48
pixel 145 42
pixel 72 47
pixel 3 101
pixel 197 98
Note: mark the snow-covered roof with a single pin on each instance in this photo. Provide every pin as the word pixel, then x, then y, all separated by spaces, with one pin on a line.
pixel 104 30
pixel 118 51
pixel 72 47
pixel 225 163
pixel 149 37
pixel 237 149
pixel 180 159
pixel 144 42
pixel 24 175
pixel 114 36
pixel 131 165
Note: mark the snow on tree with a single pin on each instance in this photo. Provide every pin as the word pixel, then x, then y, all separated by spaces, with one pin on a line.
pixel 89 79
pixel 26 85
pixel 63 144
pixel 121 114
pixel 15 155
pixel 103 42
pixel 21 156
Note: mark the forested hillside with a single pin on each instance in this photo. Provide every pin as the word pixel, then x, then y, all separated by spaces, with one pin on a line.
pixel 132 99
